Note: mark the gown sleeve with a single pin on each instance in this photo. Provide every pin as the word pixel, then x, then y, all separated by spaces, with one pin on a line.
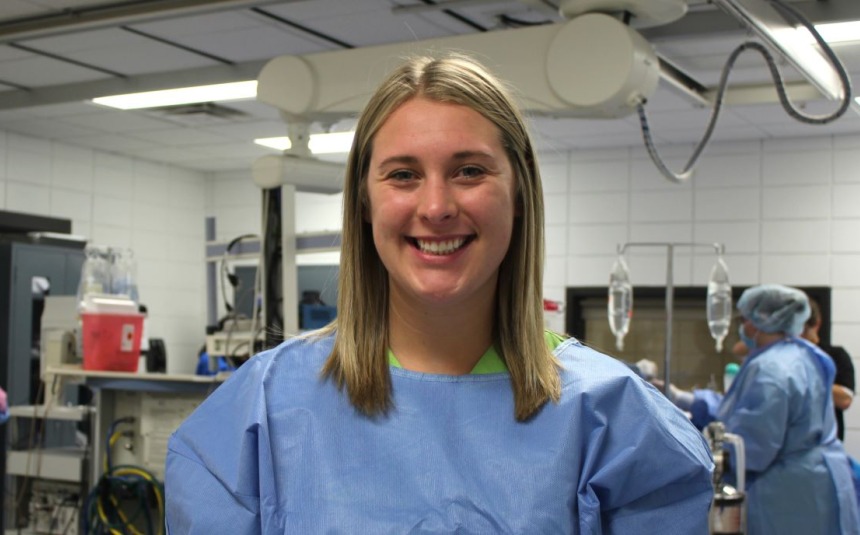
pixel 760 417
pixel 218 458
pixel 648 470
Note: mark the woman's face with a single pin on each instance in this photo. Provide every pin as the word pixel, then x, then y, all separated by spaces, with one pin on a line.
pixel 441 193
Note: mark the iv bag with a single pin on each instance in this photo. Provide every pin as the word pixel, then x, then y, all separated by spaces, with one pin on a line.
pixel 95 273
pixel 719 303
pixel 620 305
pixel 123 270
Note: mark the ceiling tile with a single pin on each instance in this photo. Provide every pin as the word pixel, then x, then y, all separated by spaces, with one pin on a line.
pixel 210 23
pixel 48 129
pixel 120 51
pixel 113 143
pixel 66 108
pixel 13 9
pixel 8 53
pixel 263 42
pixel 367 22
pixel 250 130
pixel 248 149
pixel 37 71
pixel 68 43
pixel 168 154
pixel 116 121
pixel 179 137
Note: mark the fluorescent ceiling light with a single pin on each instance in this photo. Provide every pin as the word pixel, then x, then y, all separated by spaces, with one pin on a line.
pixel 183 95
pixel 337 142
pixel 837 32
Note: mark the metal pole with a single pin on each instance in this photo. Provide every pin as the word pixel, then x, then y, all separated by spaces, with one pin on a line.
pixel 670 295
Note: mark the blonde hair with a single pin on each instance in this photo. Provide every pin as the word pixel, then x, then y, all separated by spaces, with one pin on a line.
pixel 358 361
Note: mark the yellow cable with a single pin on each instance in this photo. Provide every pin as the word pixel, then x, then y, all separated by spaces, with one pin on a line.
pixel 140 473
pixel 104 518
pixel 113 438
pixel 122 517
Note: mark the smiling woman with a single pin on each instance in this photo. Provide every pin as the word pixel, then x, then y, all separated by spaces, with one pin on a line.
pixel 436 402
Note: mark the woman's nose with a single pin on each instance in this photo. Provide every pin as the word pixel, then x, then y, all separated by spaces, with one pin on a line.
pixel 437 202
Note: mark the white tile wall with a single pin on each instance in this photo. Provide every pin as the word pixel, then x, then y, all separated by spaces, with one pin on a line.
pixel 846 271
pixel 599 176
pixel 598 208
pixel 662 232
pixel 596 239
pixel 654 206
pixel 727 204
pixel 317 212
pixel 72 169
pixel 846 165
pixel 844 237
pixel 728 170
pixel 554 173
pixel 28 198
pixel 793 236
pixel 796 269
pixel 797 202
pixel 117 201
pixel 555 239
pixel 794 163
pixel 71 204
pixel 845 200
pixel 737 237
pixel 555 209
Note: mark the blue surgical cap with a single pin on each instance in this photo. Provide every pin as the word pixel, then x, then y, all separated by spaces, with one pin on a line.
pixel 775 308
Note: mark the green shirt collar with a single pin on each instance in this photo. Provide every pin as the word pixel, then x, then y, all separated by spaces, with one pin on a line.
pixel 491 362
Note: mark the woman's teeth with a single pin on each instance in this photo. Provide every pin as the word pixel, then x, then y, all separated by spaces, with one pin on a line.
pixel 440 247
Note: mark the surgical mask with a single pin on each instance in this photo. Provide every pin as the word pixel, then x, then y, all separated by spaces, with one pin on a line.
pixel 749 342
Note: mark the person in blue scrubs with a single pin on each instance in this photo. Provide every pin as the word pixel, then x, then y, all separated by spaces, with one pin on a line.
pixel 797 472
pixel 436 402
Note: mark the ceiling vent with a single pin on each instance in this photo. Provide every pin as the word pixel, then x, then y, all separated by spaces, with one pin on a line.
pixel 200 114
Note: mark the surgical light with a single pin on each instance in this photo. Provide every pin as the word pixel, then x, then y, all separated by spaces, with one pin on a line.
pixel 330 143
pixel 182 95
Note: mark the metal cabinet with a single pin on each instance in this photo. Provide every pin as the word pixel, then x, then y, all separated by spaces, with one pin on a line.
pixel 20 307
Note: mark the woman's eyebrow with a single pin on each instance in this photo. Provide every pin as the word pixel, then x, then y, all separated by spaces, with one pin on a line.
pixel 399 159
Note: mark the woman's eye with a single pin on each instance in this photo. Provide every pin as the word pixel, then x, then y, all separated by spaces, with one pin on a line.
pixel 472 171
pixel 401 174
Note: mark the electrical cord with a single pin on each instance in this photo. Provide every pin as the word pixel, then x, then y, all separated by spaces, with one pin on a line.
pixel 779 84
pixel 231 277
pixel 258 280
pixel 33 443
pixel 103 511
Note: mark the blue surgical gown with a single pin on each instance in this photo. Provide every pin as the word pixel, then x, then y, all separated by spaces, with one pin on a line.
pixel 798 476
pixel 275 450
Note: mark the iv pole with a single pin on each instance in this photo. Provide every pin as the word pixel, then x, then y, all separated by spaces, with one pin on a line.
pixel 719 248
